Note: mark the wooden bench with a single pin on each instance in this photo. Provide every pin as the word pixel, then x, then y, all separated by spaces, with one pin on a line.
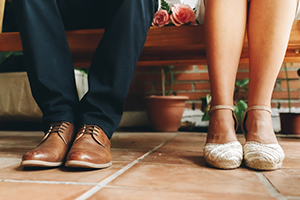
pixel 168 45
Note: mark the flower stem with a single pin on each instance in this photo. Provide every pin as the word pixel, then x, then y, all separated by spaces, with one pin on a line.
pixel 288 86
pixel 163 80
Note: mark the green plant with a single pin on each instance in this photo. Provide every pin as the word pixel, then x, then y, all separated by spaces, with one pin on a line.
pixel 84 71
pixel 240 105
pixel 165 6
pixel 164 72
pixel 288 86
pixel 205 106
pixel 11 62
pixel 4 55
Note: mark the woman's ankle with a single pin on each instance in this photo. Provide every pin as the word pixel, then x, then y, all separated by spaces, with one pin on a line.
pixel 221 127
pixel 259 127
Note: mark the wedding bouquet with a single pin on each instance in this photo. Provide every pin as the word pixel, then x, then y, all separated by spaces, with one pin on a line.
pixel 178 15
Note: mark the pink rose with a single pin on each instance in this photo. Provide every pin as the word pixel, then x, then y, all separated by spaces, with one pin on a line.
pixel 161 18
pixel 182 14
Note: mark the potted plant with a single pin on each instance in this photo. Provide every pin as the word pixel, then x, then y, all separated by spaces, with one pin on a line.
pixel 290 122
pixel 165 111
pixel 240 105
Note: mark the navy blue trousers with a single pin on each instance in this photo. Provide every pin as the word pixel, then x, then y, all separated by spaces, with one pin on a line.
pixel 42 25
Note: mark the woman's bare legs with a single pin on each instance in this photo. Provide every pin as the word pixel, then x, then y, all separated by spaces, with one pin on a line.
pixel 225 24
pixel 269 26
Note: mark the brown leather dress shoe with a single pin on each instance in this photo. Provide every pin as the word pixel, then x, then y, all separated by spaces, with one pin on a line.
pixel 91 149
pixel 52 151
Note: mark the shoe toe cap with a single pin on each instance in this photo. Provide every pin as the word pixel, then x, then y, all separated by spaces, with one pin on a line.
pixel 263 156
pixel 224 156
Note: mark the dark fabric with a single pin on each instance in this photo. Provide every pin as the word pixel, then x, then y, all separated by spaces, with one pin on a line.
pixel 13 63
pixel 42 25
pixel 9 21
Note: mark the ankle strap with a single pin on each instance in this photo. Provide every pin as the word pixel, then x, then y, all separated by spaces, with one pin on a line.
pixel 219 107
pixel 265 108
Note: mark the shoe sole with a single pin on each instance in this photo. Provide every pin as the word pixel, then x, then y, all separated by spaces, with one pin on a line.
pixel 83 164
pixel 265 166
pixel 39 163
pixel 224 165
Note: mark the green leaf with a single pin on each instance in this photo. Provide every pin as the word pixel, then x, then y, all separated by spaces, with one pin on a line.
pixel 205 117
pixel 208 98
pixel 242 83
pixel 239 110
pixel 288 86
pixel 205 102
pixel 165 6
pixel 171 79
pixel 168 69
pixel 4 55
pixel 195 10
pixel 83 71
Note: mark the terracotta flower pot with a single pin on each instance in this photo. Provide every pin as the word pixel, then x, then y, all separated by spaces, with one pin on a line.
pixel 165 112
pixel 290 123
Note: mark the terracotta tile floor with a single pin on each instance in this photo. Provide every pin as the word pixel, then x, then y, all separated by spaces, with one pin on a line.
pixel 147 165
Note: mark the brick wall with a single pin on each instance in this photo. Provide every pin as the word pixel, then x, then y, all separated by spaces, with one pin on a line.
pixel 193 81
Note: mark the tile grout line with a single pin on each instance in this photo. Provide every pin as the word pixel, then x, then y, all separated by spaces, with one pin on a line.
pixel 293 198
pixel 270 187
pixel 47 182
pixel 103 183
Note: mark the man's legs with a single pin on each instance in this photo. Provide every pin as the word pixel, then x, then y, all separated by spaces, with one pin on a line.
pixel 51 74
pixel 114 63
pixel 47 58
pixel 110 75
pixel 50 66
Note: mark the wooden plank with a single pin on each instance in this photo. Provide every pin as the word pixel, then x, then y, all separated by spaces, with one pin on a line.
pixel 168 45
pixel 10 42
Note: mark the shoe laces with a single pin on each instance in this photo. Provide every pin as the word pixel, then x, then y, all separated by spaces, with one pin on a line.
pixel 93 130
pixel 59 128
